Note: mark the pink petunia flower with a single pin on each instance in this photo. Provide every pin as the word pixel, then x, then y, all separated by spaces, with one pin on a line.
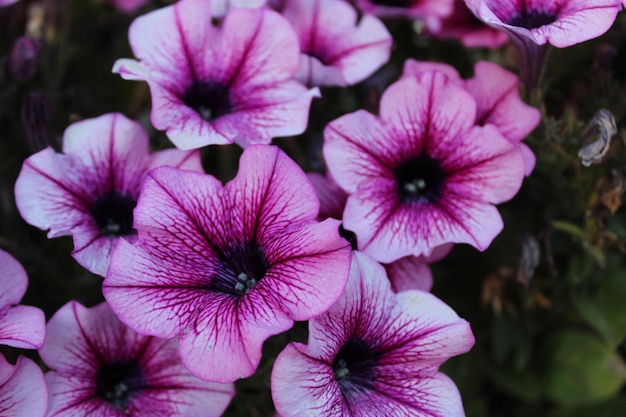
pixel 471 32
pixel 498 101
pixel 430 11
pixel 7 2
pixel 374 353
pixel 225 267
pixel 89 191
pixel 23 390
pixel 20 326
pixel 220 8
pixel 128 6
pixel 218 83
pixel 421 174
pixel 532 25
pixel 99 367
pixel 336 49
pixel 408 273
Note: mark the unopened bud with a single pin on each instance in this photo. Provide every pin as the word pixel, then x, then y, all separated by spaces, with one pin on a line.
pixel 24 58
pixel 603 125
pixel 37 120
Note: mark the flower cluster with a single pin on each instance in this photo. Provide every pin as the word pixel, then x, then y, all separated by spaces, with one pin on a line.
pixel 200 274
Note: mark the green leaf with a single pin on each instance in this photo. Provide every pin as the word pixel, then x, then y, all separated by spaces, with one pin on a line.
pixel 580 369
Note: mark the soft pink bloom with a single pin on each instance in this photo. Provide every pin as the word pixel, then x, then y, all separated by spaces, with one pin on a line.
pixel 231 81
pixel 471 32
pixel 421 174
pixel 20 326
pixel 498 101
pixel 128 6
pixel 89 191
pixel 7 2
pixel 430 11
pixel 99 367
pixel 23 390
pixel 225 267
pixel 335 48
pixel 220 8
pixel 374 353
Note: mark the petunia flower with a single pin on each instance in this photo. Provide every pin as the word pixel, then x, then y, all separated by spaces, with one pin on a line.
pixel 99 367
pixel 20 326
pixel 533 25
pixel 374 353
pixel 498 101
pixel 430 11
pixel 336 48
pixel 23 390
pixel 89 191
pixel 128 6
pixel 408 273
pixel 219 82
pixel 421 174
pixel 471 32
pixel 7 2
pixel 225 267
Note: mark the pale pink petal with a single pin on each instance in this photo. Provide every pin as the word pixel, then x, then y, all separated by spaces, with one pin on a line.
pixel 409 273
pixel 22 327
pixel 332 197
pixel 13 280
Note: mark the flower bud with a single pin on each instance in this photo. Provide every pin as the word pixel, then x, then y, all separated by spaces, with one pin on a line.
pixel 24 58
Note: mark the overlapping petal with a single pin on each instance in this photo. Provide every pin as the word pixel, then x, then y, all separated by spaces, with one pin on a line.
pixel 430 11
pixel 23 390
pixel 200 244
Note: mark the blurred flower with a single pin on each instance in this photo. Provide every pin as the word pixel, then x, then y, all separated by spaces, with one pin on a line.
pixel 408 273
pixel 470 31
pixel 603 126
pixel 23 390
pixel 7 2
pixel 335 48
pixel 421 174
pixel 220 7
pixel 534 25
pixel 20 326
pixel 128 6
pixel 429 11
pixel 218 84
pixel 99 367
pixel 225 267
pixel 36 115
pixel 24 58
pixel 374 353
pixel 498 101
pixel 89 191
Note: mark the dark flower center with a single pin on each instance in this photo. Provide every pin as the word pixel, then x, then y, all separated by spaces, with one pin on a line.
pixel 419 180
pixel 239 269
pixel 532 19
pixel 208 98
pixel 355 367
pixel 394 3
pixel 113 213
pixel 349 236
pixel 118 382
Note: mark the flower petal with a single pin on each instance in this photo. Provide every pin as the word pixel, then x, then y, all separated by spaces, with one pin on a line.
pixel 24 393
pixel 23 327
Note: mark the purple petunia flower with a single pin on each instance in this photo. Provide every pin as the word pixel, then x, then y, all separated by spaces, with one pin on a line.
pixel 532 25
pixel 99 367
pixel 421 174
pixel 20 326
pixel 336 49
pixel 221 82
pixel 471 32
pixel 225 267
pixel 430 11
pixel 23 390
pixel 374 353
pixel 498 101
pixel 90 190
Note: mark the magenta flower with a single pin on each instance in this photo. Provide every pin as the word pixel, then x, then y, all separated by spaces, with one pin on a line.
pixel 498 101
pixel 89 191
pixel 374 353
pixel 225 267
pixel 23 390
pixel 7 2
pixel 471 32
pixel 421 174
pixel 218 84
pixel 336 48
pixel 99 367
pixel 532 25
pixel 430 11
pixel 20 326
pixel 128 6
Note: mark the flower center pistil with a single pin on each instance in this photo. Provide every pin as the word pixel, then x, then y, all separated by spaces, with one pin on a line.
pixel 394 3
pixel 419 180
pixel 209 99
pixel 118 382
pixel 113 213
pixel 239 269
pixel 354 367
